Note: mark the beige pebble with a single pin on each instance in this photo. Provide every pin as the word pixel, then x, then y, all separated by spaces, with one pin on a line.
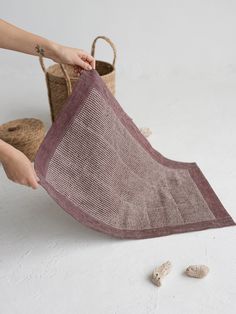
pixel 145 131
pixel 160 272
pixel 197 271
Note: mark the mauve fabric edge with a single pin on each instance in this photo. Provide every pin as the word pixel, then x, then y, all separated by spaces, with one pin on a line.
pixel 86 81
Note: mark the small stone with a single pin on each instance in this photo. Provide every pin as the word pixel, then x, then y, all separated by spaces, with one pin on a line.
pixel 197 271
pixel 160 272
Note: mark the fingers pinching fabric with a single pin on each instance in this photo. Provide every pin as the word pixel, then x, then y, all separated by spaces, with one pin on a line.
pixel 98 166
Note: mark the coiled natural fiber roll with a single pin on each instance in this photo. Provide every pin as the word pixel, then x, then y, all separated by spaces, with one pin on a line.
pixel 61 78
pixel 25 135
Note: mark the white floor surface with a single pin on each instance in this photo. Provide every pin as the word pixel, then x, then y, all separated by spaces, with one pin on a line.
pixel 49 263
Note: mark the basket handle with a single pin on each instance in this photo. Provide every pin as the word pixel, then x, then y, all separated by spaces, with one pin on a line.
pixel 66 76
pixel 109 42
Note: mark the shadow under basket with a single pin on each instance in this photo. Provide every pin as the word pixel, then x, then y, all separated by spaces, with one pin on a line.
pixel 60 78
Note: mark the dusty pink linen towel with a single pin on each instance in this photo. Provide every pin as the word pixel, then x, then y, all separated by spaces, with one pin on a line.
pixel 98 166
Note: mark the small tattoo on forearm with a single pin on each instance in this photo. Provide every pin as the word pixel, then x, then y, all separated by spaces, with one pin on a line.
pixel 40 49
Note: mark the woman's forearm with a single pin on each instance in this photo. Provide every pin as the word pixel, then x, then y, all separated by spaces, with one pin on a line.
pixel 4 148
pixel 15 38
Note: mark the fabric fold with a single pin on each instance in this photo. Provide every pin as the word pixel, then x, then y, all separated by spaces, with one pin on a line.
pixel 98 166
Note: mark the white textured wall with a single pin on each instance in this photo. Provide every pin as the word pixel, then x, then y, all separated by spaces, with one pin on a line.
pixel 186 37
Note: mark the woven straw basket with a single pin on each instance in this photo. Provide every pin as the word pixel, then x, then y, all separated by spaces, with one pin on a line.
pixel 60 78
pixel 25 135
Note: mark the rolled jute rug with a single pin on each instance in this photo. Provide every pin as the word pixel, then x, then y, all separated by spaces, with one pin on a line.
pixel 25 135
pixel 98 166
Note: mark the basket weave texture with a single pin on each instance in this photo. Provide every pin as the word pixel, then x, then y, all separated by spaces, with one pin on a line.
pixel 60 78
pixel 25 135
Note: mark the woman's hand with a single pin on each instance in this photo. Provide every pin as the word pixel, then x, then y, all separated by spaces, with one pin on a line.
pixel 17 166
pixel 15 38
pixel 74 56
